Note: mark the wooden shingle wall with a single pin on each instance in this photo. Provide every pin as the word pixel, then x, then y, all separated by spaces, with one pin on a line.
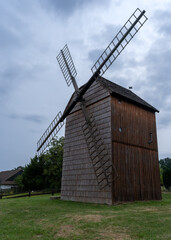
pixel 79 182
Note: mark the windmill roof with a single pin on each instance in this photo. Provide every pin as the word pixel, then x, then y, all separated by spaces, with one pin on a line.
pixel 128 95
pixel 7 177
pixel 120 92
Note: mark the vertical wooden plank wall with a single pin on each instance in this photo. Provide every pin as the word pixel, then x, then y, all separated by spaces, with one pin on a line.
pixel 135 160
pixel 78 179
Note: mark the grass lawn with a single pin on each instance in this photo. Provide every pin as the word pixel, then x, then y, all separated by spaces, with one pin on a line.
pixel 40 218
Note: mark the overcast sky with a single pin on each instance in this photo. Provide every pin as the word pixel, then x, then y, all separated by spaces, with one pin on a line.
pixel 32 87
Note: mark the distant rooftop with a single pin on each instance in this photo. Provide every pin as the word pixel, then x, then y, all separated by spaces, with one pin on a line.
pixel 7 177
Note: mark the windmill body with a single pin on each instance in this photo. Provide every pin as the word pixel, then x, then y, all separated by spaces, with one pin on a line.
pixel 110 150
pixel 125 123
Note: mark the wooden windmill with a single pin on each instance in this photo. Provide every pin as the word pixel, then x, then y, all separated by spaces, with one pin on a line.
pixel 103 156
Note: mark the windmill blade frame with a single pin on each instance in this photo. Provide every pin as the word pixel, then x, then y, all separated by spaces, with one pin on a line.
pixel 99 68
pixel 120 41
pixel 49 134
pixel 67 65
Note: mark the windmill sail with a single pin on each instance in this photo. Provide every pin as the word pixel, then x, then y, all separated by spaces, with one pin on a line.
pixel 49 134
pixel 67 65
pixel 120 41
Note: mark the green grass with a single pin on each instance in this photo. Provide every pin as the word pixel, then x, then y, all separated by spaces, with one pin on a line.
pixel 40 218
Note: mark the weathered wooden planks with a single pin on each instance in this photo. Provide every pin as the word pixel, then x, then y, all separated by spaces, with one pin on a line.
pixel 125 129
pixel 94 94
pixel 136 125
pixel 135 159
pixel 138 173
pixel 79 182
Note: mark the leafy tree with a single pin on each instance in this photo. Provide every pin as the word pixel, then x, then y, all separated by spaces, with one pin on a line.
pixel 45 171
pixel 166 170
pixel 19 181
pixel 33 178
pixel 165 163
pixel 161 175
pixel 54 159
pixel 167 178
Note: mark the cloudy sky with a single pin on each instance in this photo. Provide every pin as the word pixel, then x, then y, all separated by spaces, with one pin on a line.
pixel 32 88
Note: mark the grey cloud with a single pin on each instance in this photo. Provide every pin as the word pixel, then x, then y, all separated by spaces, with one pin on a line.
pixel 162 19
pixel 108 33
pixel 12 26
pixel 2 91
pixel 162 16
pixel 68 7
pixel 14 74
pixel 95 54
pixel 9 78
pixel 158 68
pixel 30 118
pixel 164 119
pixel 7 39
pixel 166 28
pixel 11 73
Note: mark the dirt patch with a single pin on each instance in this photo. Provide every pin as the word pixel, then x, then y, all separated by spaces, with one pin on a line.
pixel 66 231
pixel 148 209
pixel 112 216
pixel 116 236
pixel 38 236
pixel 90 217
pixel 43 222
pixel 87 218
pixel 114 233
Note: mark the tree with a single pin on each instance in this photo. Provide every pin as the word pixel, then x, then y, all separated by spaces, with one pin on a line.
pixel 54 159
pixel 45 171
pixel 33 178
pixel 161 175
pixel 19 181
pixel 165 163
pixel 166 169
pixel 167 178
